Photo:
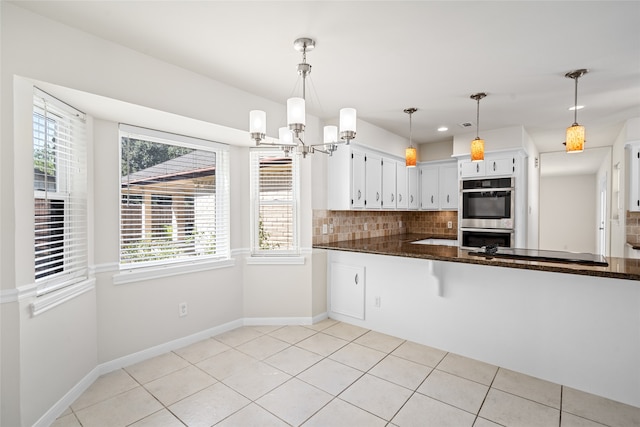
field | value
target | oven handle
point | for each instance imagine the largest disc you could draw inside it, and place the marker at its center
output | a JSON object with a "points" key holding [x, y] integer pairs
{"points": [[490, 230], [485, 190]]}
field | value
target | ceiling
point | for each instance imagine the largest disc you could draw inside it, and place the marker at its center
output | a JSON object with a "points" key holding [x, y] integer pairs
{"points": [[384, 56]]}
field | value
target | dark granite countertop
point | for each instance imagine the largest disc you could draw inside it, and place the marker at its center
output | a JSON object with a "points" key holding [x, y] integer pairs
{"points": [[400, 245]]}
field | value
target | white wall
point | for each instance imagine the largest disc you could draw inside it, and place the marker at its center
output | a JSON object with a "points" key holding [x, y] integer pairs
{"points": [[567, 213], [442, 150], [512, 138], [112, 322]]}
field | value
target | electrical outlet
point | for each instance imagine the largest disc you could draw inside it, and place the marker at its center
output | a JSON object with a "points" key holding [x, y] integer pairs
{"points": [[377, 301], [400, 225], [182, 309], [449, 224], [365, 226], [324, 228], [330, 228]]}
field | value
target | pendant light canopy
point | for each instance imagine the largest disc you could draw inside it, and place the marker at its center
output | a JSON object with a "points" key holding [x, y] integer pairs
{"points": [[575, 133], [411, 154], [477, 145]]}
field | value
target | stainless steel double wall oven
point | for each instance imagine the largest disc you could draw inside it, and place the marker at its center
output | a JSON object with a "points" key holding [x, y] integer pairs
{"points": [[487, 208]]}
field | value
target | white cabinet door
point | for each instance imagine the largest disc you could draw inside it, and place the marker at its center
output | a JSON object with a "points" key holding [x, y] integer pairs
{"points": [[471, 169], [402, 187], [358, 180], [634, 177], [504, 166], [429, 188], [347, 290], [449, 189], [389, 184], [412, 188], [373, 183]]}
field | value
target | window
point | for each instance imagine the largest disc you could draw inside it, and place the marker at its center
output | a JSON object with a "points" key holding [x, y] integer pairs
{"points": [[60, 194], [174, 198], [274, 194]]}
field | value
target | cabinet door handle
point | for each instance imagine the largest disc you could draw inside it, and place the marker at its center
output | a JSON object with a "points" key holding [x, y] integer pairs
{"points": [[411, 199], [359, 194], [447, 198], [392, 197], [478, 167], [494, 166], [377, 196], [432, 199], [356, 279], [399, 197]]}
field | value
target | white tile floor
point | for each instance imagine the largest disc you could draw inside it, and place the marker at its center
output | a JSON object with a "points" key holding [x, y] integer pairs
{"points": [[330, 374]]}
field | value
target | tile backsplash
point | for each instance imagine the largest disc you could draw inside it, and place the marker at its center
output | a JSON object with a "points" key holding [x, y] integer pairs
{"points": [[352, 225], [633, 228]]}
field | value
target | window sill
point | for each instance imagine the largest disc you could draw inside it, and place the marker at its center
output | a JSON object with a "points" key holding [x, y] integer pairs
{"points": [[275, 260], [140, 274], [53, 299]]}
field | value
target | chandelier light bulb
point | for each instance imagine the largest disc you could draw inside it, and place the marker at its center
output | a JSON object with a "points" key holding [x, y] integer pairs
{"points": [[330, 134], [285, 136], [348, 120], [295, 111], [257, 121]]}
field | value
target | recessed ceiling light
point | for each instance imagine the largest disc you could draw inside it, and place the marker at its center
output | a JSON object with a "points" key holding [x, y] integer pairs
{"points": [[443, 129], [577, 107]]}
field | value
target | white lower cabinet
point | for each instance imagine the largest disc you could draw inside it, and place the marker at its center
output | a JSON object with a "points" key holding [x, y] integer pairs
{"points": [[347, 283]]}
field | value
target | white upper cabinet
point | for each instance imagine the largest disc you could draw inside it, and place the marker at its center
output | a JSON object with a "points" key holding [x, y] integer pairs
{"points": [[469, 169], [449, 187], [500, 166], [429, 188], [412, 188], [494, 164], [390, 193], [373, 181], [633, 184], [358, 180], [402, 185], [363, 178], [439, 186]]}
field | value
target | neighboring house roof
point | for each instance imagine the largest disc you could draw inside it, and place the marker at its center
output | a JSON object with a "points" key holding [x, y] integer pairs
{"points": [[196, 164]]}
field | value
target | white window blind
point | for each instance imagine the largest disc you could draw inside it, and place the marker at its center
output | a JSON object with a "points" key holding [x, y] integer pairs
{"points": [[60, 193], [174, 198], [274, 197]]}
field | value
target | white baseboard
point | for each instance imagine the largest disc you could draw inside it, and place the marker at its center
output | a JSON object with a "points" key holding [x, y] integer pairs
{"points": [[104, 368]]}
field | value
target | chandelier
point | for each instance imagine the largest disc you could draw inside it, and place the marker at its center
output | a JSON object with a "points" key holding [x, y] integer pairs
{"points": [[291, 137]]}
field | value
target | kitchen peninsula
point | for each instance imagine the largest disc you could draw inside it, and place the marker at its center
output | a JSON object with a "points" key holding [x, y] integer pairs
{"points": [[577, 325]]}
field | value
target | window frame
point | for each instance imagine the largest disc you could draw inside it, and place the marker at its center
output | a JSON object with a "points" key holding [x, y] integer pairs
{"points": [[192, 262], [71, 180], [256, 250]]}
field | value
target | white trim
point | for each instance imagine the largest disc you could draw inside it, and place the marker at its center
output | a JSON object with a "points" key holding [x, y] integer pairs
{"points": [[275, 260], [49, 417], [61, 405], [8, 296], [106, 267], [157, 272], [162, 137], [18, 294], [240, 252], [157, 350], [54, 299]]}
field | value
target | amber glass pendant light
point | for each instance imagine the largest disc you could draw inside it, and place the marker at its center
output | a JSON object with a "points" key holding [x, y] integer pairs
{"points": [[410, 154], [575, 133], [477, 145]]}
